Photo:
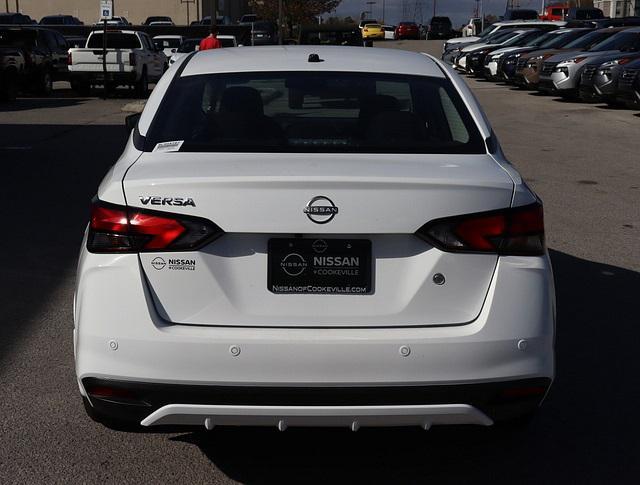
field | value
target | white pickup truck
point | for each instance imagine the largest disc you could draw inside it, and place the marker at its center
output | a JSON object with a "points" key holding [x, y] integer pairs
{"points": [[132, 60]]}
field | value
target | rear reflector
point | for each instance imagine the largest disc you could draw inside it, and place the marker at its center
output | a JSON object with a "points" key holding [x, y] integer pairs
{"points": [[119, 229], [513, 231]]}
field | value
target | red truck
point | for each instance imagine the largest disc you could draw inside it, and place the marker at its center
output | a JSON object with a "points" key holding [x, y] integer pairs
{"points": [[555, 12]]}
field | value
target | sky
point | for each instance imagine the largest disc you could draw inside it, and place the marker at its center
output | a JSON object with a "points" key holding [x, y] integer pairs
{"points": [[459, 11]]}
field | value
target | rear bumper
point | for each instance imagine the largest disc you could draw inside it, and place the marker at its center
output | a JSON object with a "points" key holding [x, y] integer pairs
{"points": [[179, 405], [511, 340]]}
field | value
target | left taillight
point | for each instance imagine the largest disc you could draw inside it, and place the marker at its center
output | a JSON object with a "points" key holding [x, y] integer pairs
{"points": [[517, 231], [119, 229], [69, 59]]}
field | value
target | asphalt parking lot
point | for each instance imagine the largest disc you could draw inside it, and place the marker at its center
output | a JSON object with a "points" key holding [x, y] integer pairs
{"points": [[584, 162]]}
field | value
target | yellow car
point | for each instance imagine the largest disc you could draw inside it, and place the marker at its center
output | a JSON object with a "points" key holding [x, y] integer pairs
{"points": [[372, 31]]}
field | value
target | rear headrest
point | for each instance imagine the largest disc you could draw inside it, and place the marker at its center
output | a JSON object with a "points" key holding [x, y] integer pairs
{"points": [[241, 99], [377, 103]]}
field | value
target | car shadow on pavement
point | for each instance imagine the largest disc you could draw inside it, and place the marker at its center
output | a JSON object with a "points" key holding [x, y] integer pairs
{"points": [[24, 104], [46, 189], [586, 432]]}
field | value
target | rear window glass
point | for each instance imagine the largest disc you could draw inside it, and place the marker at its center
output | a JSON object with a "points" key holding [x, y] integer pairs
{"points": [[166, 43], [589, 39], [189, 45], [315, 112], [115, 41], [17, 38], [623, 41]]}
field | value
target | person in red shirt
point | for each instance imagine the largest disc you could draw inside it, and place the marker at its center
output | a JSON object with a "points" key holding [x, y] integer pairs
{"points": [[211, 41]]}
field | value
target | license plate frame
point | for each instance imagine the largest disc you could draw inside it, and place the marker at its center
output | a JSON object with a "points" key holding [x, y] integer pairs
{"points": [[319, 266]]}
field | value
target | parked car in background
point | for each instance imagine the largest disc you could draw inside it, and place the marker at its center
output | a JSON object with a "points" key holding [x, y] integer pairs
{"points": [[584, 13], [76, 41], [532, 39], [439, 28], [169, 44], [158, 18], [364, 22], [264, 33], [530, 65], [132, 60], [187, 47], [599, 78], [114, 22], [510, 62], [629, 85], [452, 47], [520, 14], [472, 28], [561, 73], [45, 56], [15, 19], [220, 20], [476, 65], [372, 32], [192, 45], [60, 20], [492, 41], [555, 12], [389, 32], [249, 18], [405, 30], [330, 34]]}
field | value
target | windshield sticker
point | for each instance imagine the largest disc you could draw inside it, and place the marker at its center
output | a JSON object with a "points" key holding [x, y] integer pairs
{"points": [[168, 146]]}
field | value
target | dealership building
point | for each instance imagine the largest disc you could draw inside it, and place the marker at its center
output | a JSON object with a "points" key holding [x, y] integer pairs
{"points": [[618, 8], [182, 12]]}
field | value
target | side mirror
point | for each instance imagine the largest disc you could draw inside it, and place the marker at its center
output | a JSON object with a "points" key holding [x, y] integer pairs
{"points": [[131, 121]]}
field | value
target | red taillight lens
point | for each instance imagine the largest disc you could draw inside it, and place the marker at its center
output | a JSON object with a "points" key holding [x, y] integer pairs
{"points": [[625, 60], [116, 229], [514, 231], [69, 59]]}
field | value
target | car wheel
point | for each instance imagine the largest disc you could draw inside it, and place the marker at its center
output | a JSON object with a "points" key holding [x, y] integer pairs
{"points": [[142, 86], [46, 84]]}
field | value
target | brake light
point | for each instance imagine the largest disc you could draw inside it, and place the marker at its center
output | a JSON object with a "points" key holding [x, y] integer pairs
{"points": [[118, 229], [132, 59], [69, 59], [625, 60], [514, 231]]}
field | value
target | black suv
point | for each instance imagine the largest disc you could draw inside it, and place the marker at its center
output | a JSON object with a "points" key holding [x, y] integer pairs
{"points": [[60, 20], [45, 54], [440, 28], [15, 19]]}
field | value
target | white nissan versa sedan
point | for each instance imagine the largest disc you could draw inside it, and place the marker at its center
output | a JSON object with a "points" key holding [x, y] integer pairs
{"points": [[313, 236]]}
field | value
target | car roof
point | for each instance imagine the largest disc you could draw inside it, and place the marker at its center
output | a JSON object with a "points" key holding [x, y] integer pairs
{"points": [[168, 37], [296, 58]]}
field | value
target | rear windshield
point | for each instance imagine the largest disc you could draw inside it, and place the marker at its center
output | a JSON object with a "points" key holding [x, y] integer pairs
{"points": [[622, 41], [166, 43], [115, 40], [52, 21], [559, 39], [17, 38], [189, 45], [315, 112]]}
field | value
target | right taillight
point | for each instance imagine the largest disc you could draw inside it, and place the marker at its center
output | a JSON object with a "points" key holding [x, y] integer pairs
{"points": [[119, 229], [517, 231], [132, 59]]}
